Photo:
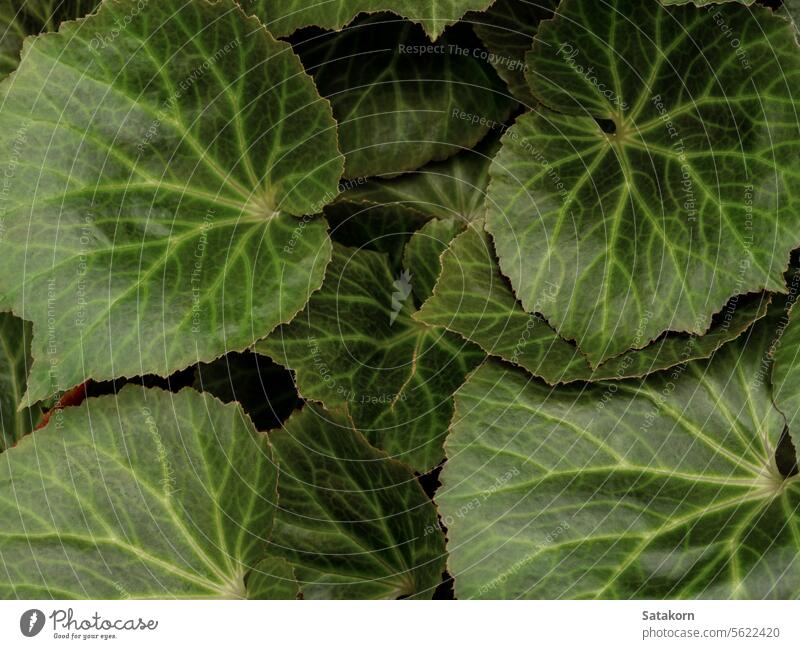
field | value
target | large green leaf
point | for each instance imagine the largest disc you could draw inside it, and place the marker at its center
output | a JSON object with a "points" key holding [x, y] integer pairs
{"points": [[352, 522], [472, 298], [507, 29], [15, 359], [148, 216], [356, 348], [283, 17], [689, 201], [143, 494], [669, 490], [20, 18], [453, 188], [398, 107]]}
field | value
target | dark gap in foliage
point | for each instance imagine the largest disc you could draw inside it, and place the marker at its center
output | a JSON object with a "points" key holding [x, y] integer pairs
{"points": [[771, 4], [265, 390], [519, 109], [607, 125], [445, 589], [90, 388], [382, 228], [736, 302], [174, 383], [785, 455], [463, 35], [430, 483], [305, 35]]}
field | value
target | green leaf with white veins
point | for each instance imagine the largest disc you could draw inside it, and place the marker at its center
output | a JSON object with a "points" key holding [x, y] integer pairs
{"points": [[283, 17], [394, 95], [143, 494], [353, 523], [661, 488], [356, 348], [689, 201], [473, 299], [149, 219], [15, 359]]}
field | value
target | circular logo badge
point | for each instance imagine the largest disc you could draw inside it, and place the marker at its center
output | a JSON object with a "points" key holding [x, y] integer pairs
{"points": [[31, 622]]}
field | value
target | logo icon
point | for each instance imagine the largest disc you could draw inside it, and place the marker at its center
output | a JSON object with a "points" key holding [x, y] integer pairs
{"points": [[402, 289], [31, 622]]}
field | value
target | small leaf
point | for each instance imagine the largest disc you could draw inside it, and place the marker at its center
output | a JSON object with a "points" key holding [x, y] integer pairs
{"points": [[353, 523], [661, 488], [149, 217], [356, 348], [143, 494]]}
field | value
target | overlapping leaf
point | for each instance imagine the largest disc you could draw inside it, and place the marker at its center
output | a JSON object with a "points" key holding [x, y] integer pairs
{"points": [[423, 252], [681, 196], [473, 298], [151, 187], [145, 494], [669, 489], [356, 348], [286, 16], [352, 522], [15, 359], [507, 29], [399, 106], [20, 18]]}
